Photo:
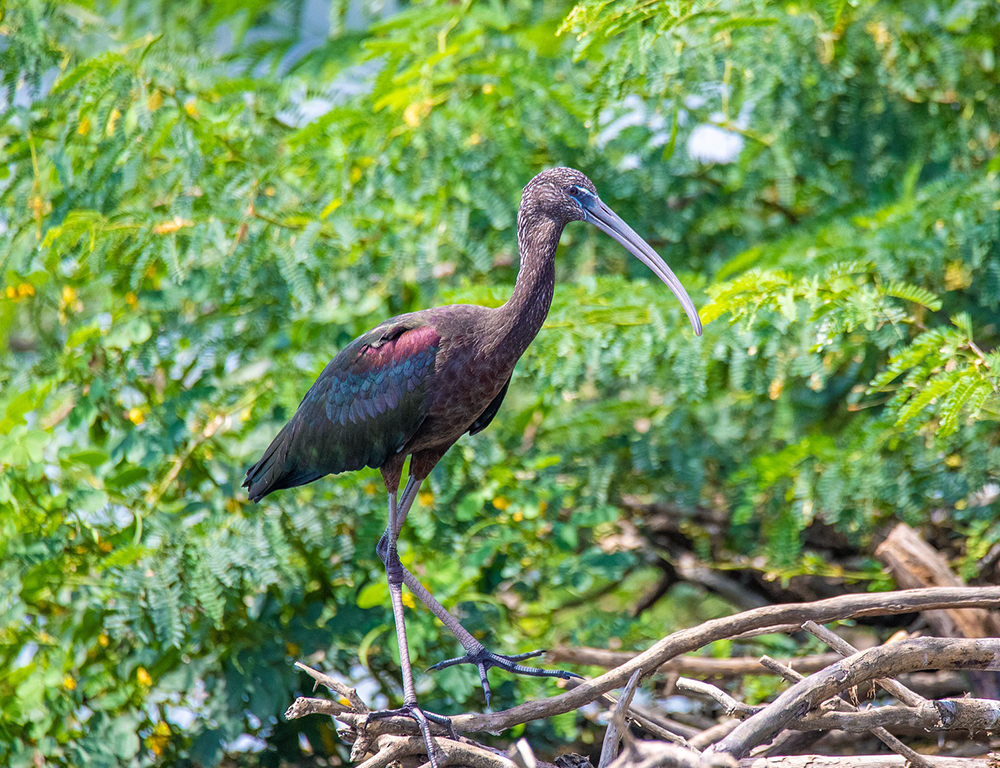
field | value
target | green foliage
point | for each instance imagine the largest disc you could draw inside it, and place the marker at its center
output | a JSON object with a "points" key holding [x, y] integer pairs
{"points": [[184, 245], [945, 372]]}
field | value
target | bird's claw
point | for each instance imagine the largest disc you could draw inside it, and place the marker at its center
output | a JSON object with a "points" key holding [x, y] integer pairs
{"points": [[412, 711], [484, 659]]}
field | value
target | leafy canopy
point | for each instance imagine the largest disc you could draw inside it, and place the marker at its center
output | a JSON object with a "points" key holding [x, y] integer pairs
{"points": [[198, 212]]}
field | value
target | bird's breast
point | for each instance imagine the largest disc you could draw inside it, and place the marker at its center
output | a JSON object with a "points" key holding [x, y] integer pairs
{"points": [[465, 383]]}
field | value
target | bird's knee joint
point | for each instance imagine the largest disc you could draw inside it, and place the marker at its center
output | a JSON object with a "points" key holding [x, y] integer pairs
{"points": [[382, 548], [394, 572]]}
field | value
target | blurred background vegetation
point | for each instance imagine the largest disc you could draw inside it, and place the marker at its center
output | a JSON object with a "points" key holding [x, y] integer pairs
{"points": [[201, 202]]}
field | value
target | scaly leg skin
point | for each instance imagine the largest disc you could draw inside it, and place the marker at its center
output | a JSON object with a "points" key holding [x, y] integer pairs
{"points": [[475, 652], [394, 574]]}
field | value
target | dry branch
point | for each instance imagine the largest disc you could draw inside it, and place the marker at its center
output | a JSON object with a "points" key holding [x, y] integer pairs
{"points": [[841, 646], [915, 760], [391, 748], [974, 715], [793, 710], [732, 707], [687, 665], [655, 754], [884, 661], [648, 719], [863, 761], [755, 620], [354, 701], [915, 563], [617, 727]]}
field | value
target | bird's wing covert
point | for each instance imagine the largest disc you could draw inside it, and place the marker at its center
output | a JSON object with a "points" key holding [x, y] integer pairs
{"points": [[484, 419], [364, 407]]}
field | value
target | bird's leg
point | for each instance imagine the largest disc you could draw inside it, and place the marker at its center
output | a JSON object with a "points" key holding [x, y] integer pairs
{"points": [[394, 574], [475, 652]]}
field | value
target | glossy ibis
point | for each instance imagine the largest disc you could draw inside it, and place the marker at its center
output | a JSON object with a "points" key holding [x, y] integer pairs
{"points": [[415, 384]]}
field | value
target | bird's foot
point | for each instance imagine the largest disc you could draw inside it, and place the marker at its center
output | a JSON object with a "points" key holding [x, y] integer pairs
{"points": [[484, 659], [423, 719]]}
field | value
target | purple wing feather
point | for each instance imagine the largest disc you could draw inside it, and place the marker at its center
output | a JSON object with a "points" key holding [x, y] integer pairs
{"points": [[364, 408]]}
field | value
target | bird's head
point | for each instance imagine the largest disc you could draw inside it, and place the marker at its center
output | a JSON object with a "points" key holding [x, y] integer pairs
{"points": [[566, 194]]}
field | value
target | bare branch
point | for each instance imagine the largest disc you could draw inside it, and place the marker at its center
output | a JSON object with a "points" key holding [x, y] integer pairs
{"points": [[616, 725], [861, 761], [303, 706], [915, 759], [687, 665], [392, 748], [733, 707], [775, 667], [353, 700], [656, 754], [844, 648], [758, 619], [648, 719], [976, 715], [711, 735], [904, 656]]}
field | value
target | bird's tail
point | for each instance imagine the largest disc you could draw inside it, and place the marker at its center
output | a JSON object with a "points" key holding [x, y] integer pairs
{"points": [[276, 470], [264, 476]]}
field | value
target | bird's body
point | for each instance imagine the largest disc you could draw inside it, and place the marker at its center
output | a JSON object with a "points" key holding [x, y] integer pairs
{"points": [[412, 386]]}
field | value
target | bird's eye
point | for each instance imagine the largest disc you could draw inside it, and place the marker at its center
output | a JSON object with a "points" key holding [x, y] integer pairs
{"points": [[580, 195]]}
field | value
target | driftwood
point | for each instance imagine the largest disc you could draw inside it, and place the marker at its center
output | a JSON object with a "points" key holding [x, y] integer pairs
{"points": [[812, 704]]}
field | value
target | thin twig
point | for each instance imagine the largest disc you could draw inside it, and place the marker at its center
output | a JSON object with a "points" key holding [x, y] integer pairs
{"points": [[844, 648], [354, 701], [649, 720], [733, 707], [711, 735], [775, 667], [617, 726]]}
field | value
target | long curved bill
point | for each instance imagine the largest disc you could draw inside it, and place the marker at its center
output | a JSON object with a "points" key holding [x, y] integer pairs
{"points": [[610, 223]]}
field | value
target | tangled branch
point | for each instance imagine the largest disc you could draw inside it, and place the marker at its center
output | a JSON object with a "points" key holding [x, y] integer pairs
{"points": [[811, 704]]}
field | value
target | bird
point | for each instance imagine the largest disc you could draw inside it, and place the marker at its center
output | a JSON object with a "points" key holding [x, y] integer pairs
{"points": [[413, 385]]}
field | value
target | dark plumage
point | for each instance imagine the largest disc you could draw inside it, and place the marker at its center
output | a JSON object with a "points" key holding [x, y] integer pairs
{"points": [[415, 384]]}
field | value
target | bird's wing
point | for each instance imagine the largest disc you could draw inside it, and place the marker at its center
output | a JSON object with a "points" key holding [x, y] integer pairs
{"points": [[365, 406], [484, 419]]}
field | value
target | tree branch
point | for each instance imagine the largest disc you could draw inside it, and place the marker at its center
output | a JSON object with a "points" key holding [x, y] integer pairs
{"points": [[687, 665], [975, 715], [884, 661], [755, 620]]}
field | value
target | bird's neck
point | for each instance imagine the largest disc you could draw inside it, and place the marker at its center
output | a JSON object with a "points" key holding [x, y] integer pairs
{"points": [[517, 322]]}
